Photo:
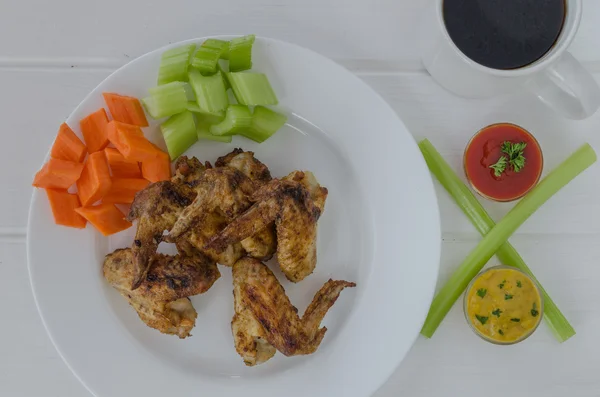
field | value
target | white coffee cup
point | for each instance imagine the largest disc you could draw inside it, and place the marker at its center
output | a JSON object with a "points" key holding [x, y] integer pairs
{"points": [[557, 78]]}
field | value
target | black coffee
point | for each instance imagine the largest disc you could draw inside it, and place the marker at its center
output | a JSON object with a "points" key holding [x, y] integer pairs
{"points": [[504, 34]]}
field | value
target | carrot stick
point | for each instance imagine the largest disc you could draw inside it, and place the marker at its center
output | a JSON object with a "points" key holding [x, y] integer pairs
{"points": [[63, 206], [123, 190], [93, 128], [105, 217], [58, 174], [125, 109], [130, 141], [158, 168], [67, 146], [95, 179], [120, 167]]}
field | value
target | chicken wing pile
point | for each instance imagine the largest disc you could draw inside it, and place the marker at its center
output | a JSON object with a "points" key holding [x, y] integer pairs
{"points": [[234, 214]]}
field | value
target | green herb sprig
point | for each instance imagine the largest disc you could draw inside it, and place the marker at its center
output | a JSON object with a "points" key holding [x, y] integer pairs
{"points": [[514, 157]]}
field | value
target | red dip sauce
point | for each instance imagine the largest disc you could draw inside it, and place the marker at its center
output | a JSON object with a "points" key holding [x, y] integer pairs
{"points": [[485, 149]]}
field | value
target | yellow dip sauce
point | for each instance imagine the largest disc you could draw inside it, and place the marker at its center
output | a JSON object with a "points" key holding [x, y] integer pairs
{"points": [[503, 305]]}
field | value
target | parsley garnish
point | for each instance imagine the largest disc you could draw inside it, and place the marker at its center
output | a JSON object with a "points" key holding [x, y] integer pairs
{"points": [[534, 311], [481, 319], [515, 320], [507, 297], [481, 292], [497, 313], [514, 157], [501, 332], [499, 167], [501, 285], [519, 285]]}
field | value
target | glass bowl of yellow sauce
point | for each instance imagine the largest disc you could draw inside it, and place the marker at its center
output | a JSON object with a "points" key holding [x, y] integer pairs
{"points": [[503, 305]]}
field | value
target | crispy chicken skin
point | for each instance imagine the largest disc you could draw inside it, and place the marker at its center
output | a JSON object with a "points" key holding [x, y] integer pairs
{"points": [[295, 203], [248, 335], [161, 300], [247, 164], [263, 244], [222, 194], [263, 311], [156, 209], [188, 171]]}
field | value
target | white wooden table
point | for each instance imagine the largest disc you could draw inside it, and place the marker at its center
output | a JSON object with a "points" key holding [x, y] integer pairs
{"points": [[52, 53]]}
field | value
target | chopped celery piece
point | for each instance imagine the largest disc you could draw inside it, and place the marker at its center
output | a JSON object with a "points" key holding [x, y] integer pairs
{"points": [[507, 254], [210, 137], [499, 234], [224, 74], [179, 133], [237, 119], [240, 53], [252, 89], [221, 45], [166, 100], [265, 123], [210, 118], [204, 134], [192, 106], [206, 59], [210, 91], [174, 64]]}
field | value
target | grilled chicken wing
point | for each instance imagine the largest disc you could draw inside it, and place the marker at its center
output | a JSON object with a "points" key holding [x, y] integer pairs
{"points": [[222, 194], [161, 300], [156, 208], [188, 171], [295, 203], [263, 244], [264, 312], [248, 335]]}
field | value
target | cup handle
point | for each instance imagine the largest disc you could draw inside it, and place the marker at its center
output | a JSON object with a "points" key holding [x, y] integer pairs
{"points": [[567, 88]]}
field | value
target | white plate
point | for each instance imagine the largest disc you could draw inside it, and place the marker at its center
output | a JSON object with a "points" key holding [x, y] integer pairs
{"points": [[380, 229]]}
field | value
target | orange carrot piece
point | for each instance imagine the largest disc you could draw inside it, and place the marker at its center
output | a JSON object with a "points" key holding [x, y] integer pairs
{"points": [[105, 217], [63, 206], [158, 168], [120, 166], [67, 146], [125, 109], [123, 190], [95, 179], [130, 141], [58, 174], [93, 128]]}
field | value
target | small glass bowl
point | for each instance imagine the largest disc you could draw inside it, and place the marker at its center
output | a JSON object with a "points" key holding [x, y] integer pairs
{"points": [[487, 338], [482, 194]]}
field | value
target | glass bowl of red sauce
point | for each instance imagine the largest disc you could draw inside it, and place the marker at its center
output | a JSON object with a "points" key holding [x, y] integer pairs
{"points": [[505, 179]]}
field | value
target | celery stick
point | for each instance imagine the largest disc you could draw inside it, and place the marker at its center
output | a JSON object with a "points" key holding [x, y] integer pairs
{"points": [[221, 45], [210, 91], [499, 234], [252, 89], [203, 123], [507, 254], [265, 123], [174, 64], [210, 118], [210, 137], [238, 119], [166, 100], [206, 59], [179, 133], [203, 134], [192, 106], [240, 53], [224, 74]]}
